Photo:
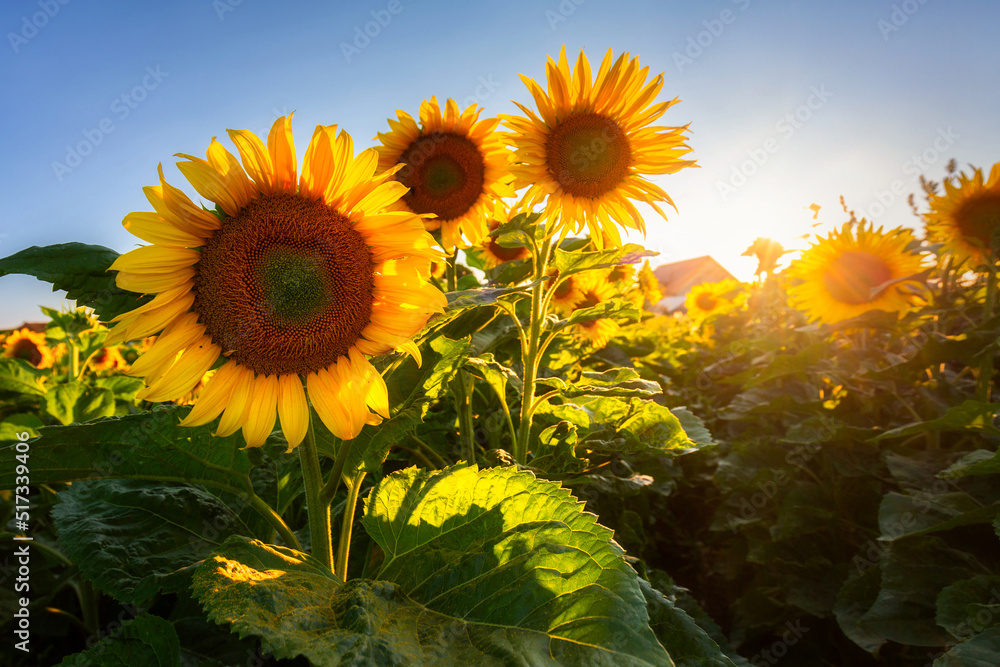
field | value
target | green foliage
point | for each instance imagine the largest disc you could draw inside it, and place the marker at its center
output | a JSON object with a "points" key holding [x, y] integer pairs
{"points": [[146, 640], [81, 270]]}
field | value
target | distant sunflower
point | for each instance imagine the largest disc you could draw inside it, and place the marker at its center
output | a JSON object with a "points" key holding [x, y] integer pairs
{"points": [[565, 294], [30, 346], [590, 145], [709, 299], [298, 276], [967, 215], [108, 359], [839, 272], [456, 168], [621, 275], [495, 254], [594, 290], [649, 284]]}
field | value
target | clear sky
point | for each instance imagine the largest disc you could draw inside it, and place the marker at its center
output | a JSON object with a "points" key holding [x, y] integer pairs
{"points": [[789, 102]]}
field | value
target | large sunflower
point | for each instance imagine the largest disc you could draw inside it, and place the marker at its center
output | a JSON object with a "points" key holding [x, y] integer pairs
{"points": [[298, 276], [967, 215], [455, 167], [30, 346], [839, 272], [590, 145]]}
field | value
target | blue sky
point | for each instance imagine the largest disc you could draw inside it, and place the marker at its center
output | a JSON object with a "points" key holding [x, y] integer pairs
{"points": [[789, 102]]}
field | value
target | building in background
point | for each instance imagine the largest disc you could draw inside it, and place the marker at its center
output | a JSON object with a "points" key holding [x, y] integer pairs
{"points": [[677, 279]]}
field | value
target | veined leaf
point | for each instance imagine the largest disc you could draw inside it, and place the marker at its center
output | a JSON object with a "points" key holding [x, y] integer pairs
{"points": [[567, 262], [81, 270], [75, 402], [20, 376], [150, 445], [132, 538], [514, 557], [147, 640]]}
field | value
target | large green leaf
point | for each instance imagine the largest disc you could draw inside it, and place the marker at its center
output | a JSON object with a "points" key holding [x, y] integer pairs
{"points": [[81, 270], [77, 402], [969, 607], [689, 644], [488, 567], [920, 513], [515, 557], [132, 538], [147, 640], [983, 650], [971, 416], [19, 376], [150, 445]]}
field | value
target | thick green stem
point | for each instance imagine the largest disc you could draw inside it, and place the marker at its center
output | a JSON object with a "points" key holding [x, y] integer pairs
{"points": [[273, 518], [462, 389], [347, 527], [74, 361], [317, 507], [985, 380], [332, 484], [530, 353]]}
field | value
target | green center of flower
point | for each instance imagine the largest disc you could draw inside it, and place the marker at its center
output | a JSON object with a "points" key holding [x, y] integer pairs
{"points": [[851, 277], [979, 217], [445, 173], [291, 284], [588, 154], [285, 286]]}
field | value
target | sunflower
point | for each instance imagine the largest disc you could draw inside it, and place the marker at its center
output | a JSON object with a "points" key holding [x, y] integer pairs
{"points": [[107, 359], [649, 284], [565, 294], [622, 275], [594, 290], [589, 146], [839, 272], [30, 346], [967, 215], [709, 299], [455, 168], [495, 254], [297, 276]]}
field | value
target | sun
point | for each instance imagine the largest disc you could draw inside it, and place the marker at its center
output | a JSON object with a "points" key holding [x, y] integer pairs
{"points": [[587, 151], [838, 275], [455, 167], [966, 217], [294, 279]]}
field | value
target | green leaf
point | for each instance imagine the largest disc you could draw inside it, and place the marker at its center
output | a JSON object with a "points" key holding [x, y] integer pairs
{"points": [[20, 376], [410, 384], [132, 538], [81, 270], [914, 572], [855, 598], [983, 650], [969, 607], [122, 386], [494, 373], [922, 513], [15, 424], [483, 296], [75, 402], [687, 643], [970, 416], [147, 640], [694, 427], [621, 382], [977, 462], [371, 447], [567, 262], [514, 558], [635, 425], [150, 445], [616, 308]]}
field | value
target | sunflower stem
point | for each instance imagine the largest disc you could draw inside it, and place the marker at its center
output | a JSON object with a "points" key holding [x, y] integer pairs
{"points": [[333, 483], [317, 507], [273, 518], [985, 380], [530, 354], [462, 389], [347, 527]]}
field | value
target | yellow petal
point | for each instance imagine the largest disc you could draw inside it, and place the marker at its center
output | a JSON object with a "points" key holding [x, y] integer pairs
{"points": [[182, 377], [260, 419], [214, 397], [235, 414], [293, 411]]}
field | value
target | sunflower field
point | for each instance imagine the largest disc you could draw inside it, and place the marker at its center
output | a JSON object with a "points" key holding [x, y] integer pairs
{"points": [[417, 405]]}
